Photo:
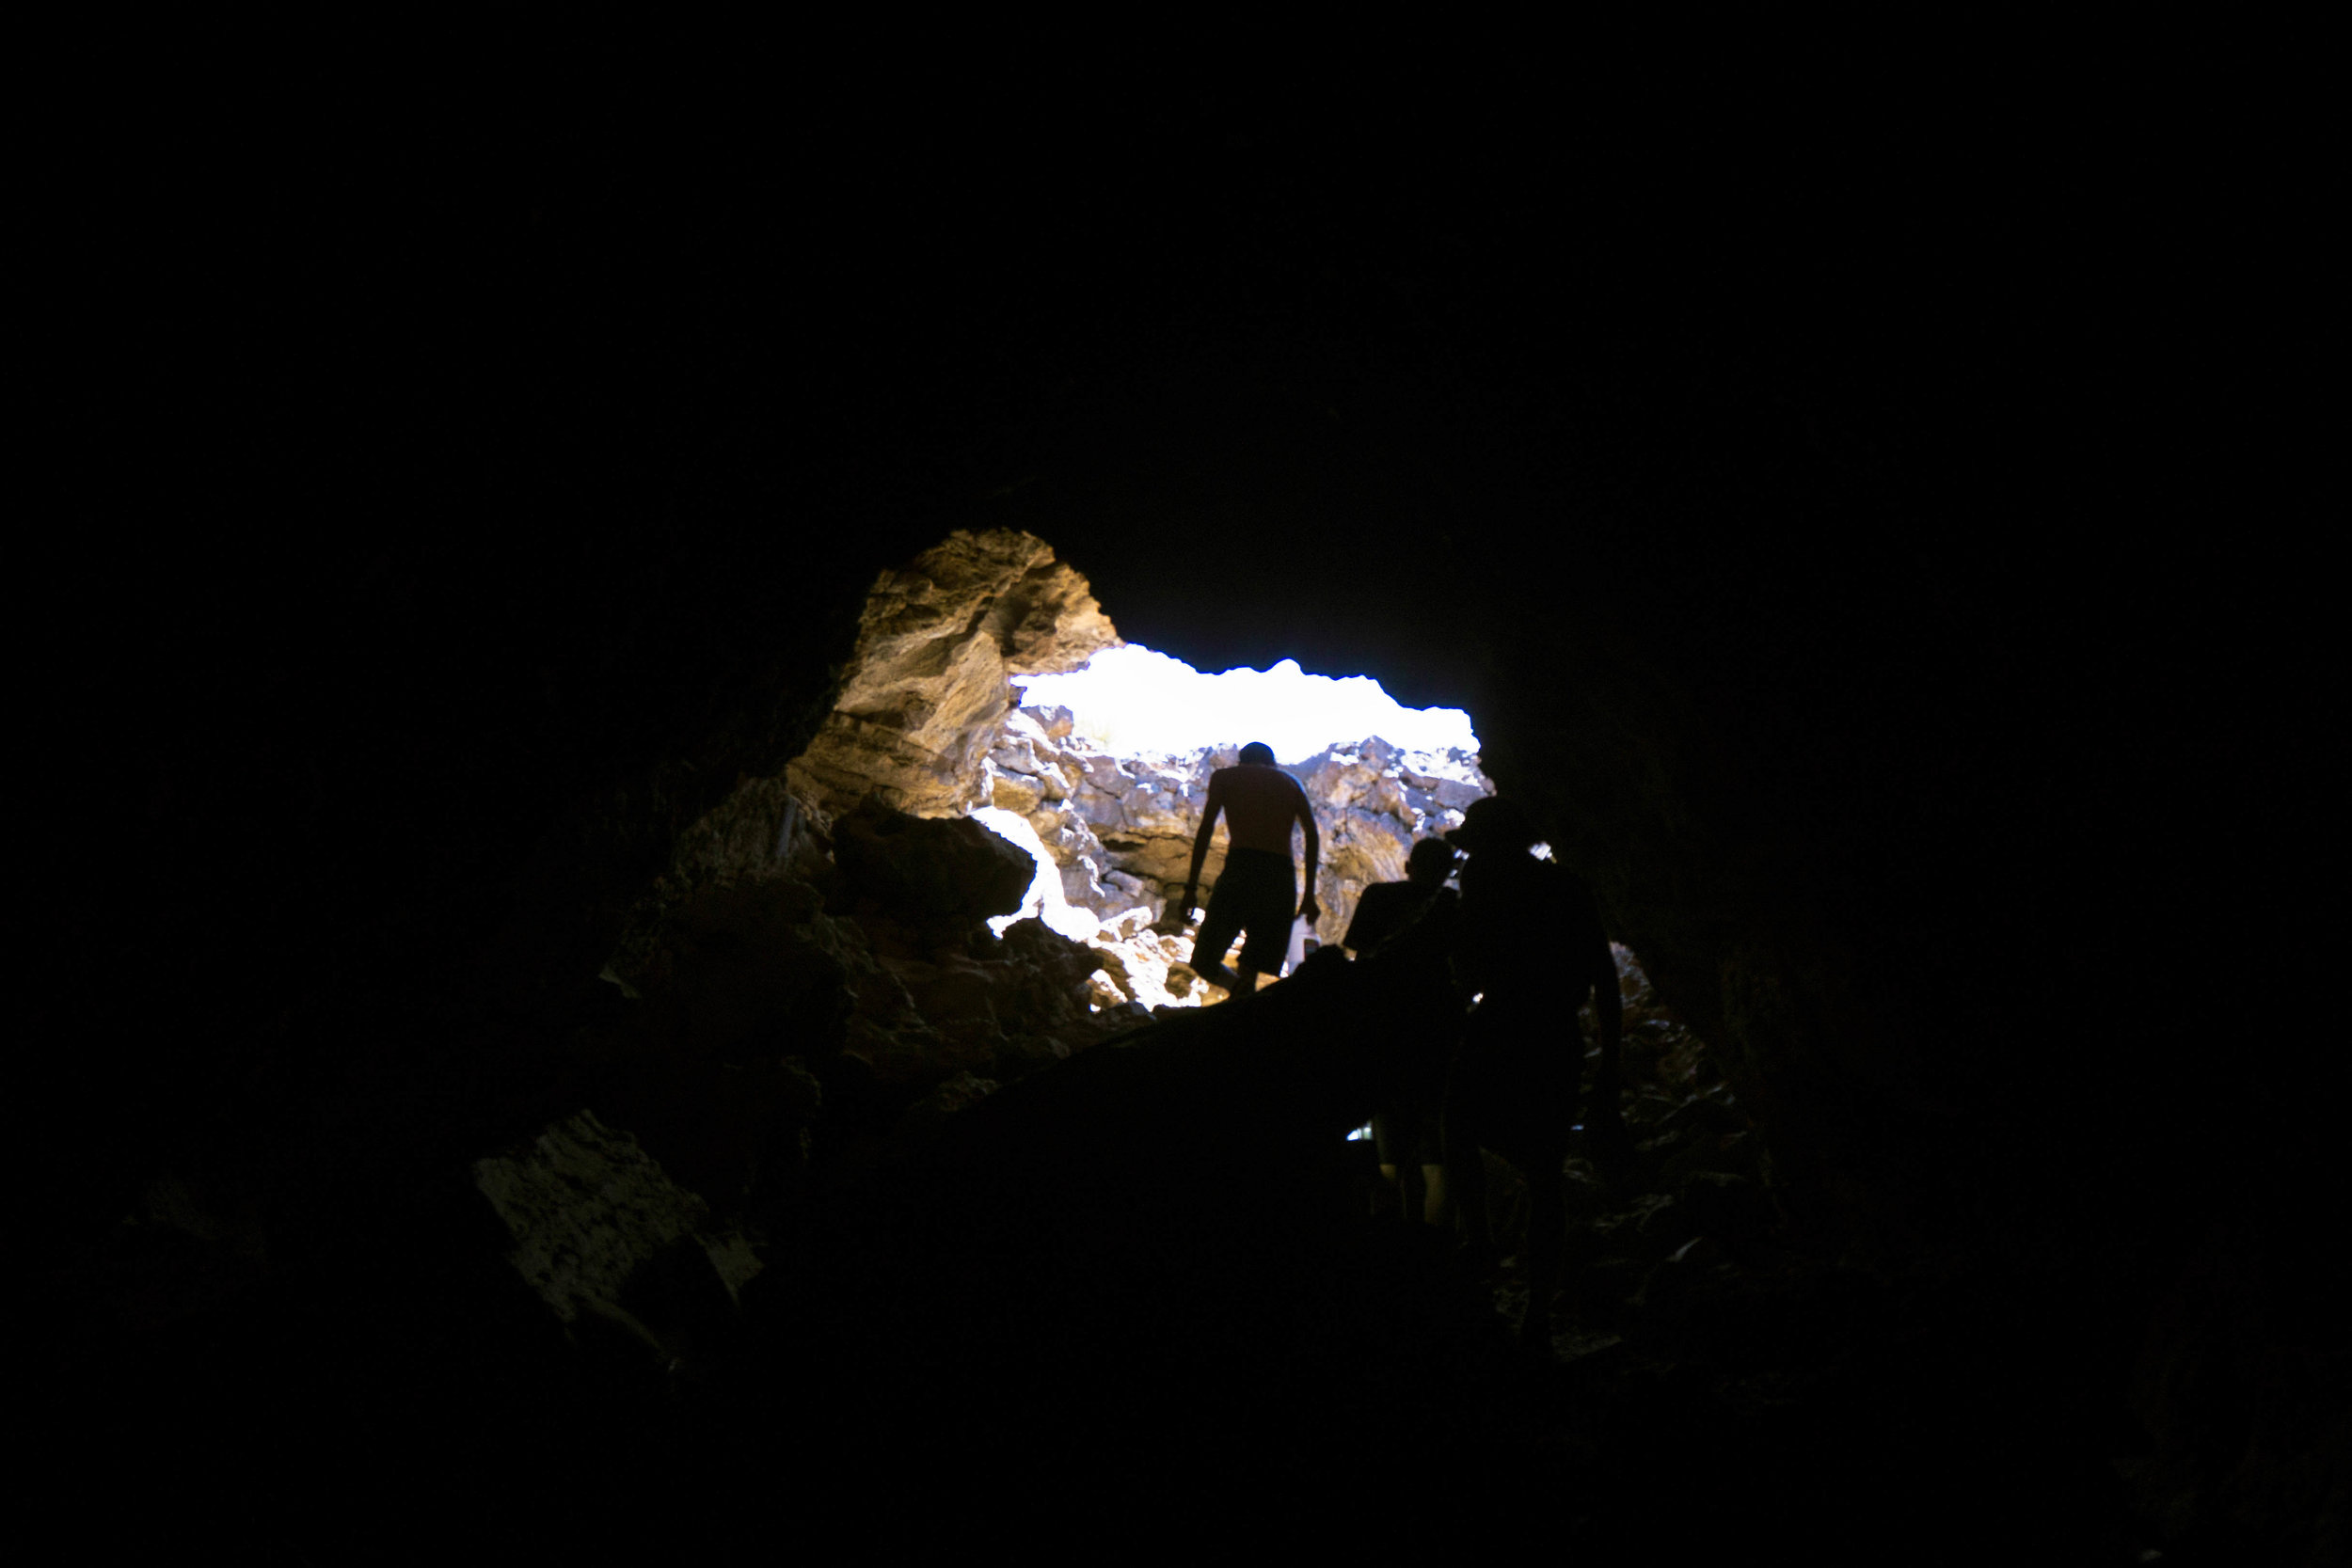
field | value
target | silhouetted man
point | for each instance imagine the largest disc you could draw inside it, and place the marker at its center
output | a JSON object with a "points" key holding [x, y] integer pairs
{"points": [[1529, 945], [1384, 908], [1255, 894], [1414, 918]]}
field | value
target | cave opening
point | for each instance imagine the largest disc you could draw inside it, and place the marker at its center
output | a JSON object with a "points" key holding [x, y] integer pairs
{"points": [[1102, 774]]}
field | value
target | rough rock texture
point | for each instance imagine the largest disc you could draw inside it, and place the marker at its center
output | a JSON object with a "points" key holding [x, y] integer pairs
{"points": [[936, 880], [771, 1020], [800, 977], [600, 1231], [936, 642]]}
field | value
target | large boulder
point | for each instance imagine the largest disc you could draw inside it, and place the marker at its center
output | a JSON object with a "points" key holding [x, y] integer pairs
{"points": [[937, 880], [930, 680]]}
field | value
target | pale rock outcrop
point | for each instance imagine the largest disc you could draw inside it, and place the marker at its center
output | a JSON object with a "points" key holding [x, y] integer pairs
{"points": [[601, 1232], [929, 679]]}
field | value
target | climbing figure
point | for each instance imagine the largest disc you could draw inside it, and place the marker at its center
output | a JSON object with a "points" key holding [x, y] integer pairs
{"points": [[1413, 922], [1529, 945], [1256, 895]]}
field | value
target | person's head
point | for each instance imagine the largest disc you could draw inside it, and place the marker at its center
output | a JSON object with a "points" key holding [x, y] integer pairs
{"points": [[1492, 824], [1258, 751], [1428, 863]]}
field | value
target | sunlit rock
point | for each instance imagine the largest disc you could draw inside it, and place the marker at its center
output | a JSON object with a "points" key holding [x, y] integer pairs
{"points": [[929, 679], [1016, 794]]}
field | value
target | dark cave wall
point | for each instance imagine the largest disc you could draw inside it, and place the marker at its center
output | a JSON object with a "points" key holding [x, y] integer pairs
{"points": [[1777, 602], [1869, 573]]}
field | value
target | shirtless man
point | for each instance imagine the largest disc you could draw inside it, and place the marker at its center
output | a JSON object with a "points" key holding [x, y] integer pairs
{"points": [[1255, 892]]}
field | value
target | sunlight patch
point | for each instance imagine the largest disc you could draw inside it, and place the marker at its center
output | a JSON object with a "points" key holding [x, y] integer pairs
{"points": [[1045, 899], [1131, 700]]}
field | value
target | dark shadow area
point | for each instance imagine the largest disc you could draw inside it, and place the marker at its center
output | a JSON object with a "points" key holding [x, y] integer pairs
{"points": [[1868, 541]]}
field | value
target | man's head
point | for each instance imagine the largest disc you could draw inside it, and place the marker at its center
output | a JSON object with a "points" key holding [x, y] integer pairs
{"points": [[1259, 752], [1494, 825], [1428, 863]]}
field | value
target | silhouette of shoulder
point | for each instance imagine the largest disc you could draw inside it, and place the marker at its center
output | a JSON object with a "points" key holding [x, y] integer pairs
{"points": [[1520, 910], [1385, 909]]}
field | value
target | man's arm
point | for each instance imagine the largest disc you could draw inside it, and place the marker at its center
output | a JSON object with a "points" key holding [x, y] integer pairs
{"points": [[1201, 847], [1309, 910]]}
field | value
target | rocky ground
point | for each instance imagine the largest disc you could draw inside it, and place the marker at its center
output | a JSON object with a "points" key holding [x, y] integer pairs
{"points": [[1080, 1286]]}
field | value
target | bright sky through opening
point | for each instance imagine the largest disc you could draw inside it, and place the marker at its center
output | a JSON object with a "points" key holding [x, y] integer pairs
{"points": [[1131, 700]]}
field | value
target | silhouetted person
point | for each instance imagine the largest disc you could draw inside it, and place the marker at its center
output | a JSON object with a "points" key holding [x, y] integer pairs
{"points": [[1415, 919], [1529, 945], [1385, 909], [1256, 895]]}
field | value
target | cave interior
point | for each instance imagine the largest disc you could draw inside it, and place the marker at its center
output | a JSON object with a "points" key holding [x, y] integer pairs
{"points": [[1868, 554]]}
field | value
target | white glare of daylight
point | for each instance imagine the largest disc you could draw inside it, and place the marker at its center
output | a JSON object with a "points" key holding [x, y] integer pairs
{"points": [[1130, 700], [1046, 899]]}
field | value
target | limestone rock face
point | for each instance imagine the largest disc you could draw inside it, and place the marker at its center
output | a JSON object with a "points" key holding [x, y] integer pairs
{"points": [[928, 681]]}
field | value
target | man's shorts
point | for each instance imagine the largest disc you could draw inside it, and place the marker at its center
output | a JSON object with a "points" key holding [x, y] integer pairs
{"points": [[1258, 894]]}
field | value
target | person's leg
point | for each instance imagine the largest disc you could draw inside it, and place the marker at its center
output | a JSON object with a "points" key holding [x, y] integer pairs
{"points": [[1547, 1234], [1427, 1151], [1266, 926], [1434, 1211], [1411, 1193], [1462, 1117], [1218, 931], [1465, 1168], [1385, 1140], [1412, 1149], [1532, 1134]]}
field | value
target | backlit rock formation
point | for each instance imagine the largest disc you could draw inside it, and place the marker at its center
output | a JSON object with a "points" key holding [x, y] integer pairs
{"points": [[809, 933]]}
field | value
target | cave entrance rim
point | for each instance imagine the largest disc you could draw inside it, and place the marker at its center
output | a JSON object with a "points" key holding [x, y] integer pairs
{"points": [[1134, 700]]}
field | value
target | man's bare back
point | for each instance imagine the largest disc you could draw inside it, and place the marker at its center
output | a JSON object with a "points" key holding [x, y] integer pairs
{"points": [[1262, 806]]}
